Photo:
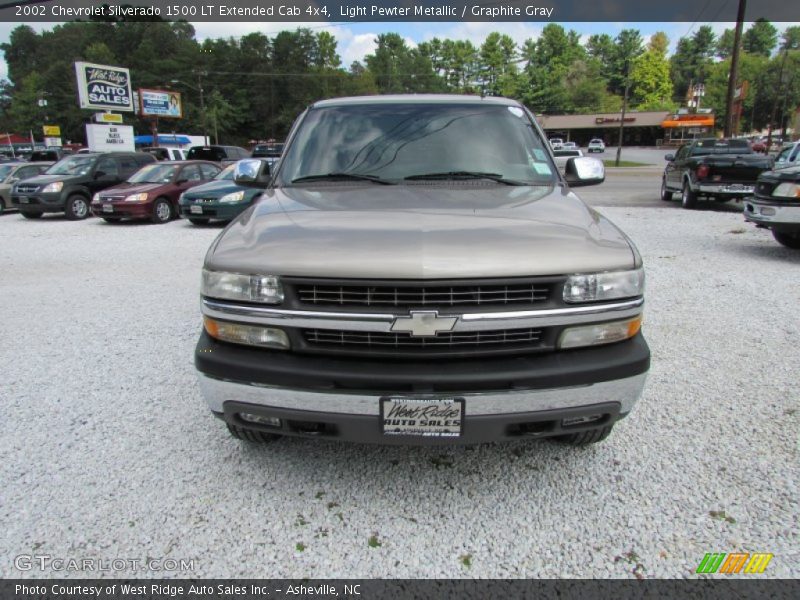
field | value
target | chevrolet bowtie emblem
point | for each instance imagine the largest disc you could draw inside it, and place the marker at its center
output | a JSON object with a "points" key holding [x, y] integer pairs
{"points": [[423, 323]]}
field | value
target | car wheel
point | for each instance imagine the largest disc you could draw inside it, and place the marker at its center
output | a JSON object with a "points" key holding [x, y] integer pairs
{"points": [[688, 197], [112, 219], [196, 221], [30, 215], [251, 435], [790, 240], [585, 438], [666, 195], [77, 208], [162, 211]]}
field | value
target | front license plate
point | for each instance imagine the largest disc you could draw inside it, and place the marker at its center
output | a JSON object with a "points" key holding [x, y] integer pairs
{"points": [[108, 208], [422, 417], [22, 199], [737, 187], [196, 210]]}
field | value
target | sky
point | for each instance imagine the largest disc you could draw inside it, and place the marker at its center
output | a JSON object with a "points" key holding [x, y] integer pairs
{"points": [[356, 40]]}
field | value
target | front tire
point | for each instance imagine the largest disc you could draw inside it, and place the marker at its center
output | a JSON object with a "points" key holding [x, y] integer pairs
{"points": [[30, 215], [688, 197], [790, 240], [251, 435], [586, 438], [666, 195], [162, 211], [77, 208]]}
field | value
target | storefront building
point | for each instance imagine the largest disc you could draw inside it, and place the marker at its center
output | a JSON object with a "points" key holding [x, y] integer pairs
{"points": [[651, 128]]}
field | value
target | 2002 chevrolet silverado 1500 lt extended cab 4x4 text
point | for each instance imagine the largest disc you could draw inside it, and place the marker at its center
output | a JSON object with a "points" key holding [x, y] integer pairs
{"points": [[418, 271]]}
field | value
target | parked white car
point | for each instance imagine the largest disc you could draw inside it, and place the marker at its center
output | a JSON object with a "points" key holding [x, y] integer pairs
{"points": [[556, 143], [596, 145], [563, 155]]}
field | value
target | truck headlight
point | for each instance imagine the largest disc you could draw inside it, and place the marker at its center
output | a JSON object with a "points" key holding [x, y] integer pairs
{"points": [[137, 197], [604, 286], [56, 186], [787, 190], [266, 289], [233, 197], [249, 335], [596, 335]]}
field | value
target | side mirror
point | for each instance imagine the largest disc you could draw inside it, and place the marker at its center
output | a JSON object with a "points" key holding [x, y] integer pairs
{"points": [[181, 181], [99, 174], [251, 173], [584, 170], [669, 157], [12, 180]]}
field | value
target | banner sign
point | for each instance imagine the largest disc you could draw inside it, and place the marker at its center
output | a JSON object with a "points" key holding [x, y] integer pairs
{"points": [[104, 87], [160, 103], [110, 138], [51, 130], [108, 118]]}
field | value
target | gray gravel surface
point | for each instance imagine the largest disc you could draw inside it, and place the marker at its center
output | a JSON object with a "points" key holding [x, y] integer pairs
{"points": [[109, 451]]}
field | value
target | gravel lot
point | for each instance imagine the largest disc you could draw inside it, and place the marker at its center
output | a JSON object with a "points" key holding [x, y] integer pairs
{"points": [[109, 451]]}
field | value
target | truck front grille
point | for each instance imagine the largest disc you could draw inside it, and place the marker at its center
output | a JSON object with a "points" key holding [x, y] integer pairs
{"points": [[440, 295], [513, 340], [29, 188]]}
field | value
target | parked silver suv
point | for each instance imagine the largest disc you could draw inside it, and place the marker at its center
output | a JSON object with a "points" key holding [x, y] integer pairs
{"points": [[418, 271]]}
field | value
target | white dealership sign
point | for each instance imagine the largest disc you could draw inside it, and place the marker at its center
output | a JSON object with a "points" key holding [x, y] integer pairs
{"points": [[110, 138], [104, 87]]}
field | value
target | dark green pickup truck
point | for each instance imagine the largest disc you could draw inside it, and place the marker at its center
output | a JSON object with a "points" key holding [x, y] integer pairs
{"points": [[720, 170]]}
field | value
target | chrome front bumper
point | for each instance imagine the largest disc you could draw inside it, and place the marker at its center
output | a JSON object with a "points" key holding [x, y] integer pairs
{"points": [[624, 392], [758, 212]]}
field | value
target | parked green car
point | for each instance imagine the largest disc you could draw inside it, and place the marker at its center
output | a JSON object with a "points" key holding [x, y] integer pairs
{"points": [[220, 199]]}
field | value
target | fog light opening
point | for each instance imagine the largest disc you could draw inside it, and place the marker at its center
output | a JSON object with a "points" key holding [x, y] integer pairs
{"points": [[582, 420], [260, 420]]}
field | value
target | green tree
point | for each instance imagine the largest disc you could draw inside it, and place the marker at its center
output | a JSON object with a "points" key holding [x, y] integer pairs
{"points": [[761, 38], [652, 87]]}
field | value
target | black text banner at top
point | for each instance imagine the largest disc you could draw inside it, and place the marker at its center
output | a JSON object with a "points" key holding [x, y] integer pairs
{"points": [[345, 11]]}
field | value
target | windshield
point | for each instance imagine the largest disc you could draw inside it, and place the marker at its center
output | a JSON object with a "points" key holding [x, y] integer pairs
{"points": [[154, 174], [5, 170], [394, 142], [213, 154], [227, 172], [73, 165]]}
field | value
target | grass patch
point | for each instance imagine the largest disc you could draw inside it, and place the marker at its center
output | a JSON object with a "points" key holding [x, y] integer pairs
{"points": [[466, 560], [300, 546], [373, 542], [624, 163]]}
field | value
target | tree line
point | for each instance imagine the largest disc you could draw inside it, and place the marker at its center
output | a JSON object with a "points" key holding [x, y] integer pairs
{"points": [[256, 85]]}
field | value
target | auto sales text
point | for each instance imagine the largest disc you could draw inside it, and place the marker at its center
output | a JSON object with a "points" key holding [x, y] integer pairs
{"points": [[175, 591]]}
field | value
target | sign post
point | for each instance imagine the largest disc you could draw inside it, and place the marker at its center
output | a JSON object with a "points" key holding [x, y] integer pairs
{"points": [[159, 103]]}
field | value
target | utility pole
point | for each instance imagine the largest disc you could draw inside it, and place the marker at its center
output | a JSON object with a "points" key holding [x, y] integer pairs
{"points": [[622, 118], [734, 73], [777, 94], [203, 107]]}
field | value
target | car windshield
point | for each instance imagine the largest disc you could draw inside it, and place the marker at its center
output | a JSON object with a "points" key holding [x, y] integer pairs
{"points": [[206, 153], [227, 172], [5, 170], [395, 142], [154, 174], [73, 165]]}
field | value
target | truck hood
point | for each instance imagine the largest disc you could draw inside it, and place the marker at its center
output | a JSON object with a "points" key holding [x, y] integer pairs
{"points": [[45, 179], [420, 231]]}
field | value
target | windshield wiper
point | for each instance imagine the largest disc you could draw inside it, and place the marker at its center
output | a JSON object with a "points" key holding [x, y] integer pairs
{"points": [[465, 175], [343, 175]]}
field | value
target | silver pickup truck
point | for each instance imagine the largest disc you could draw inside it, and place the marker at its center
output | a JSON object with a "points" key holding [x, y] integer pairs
{"points": [[417, 271]]}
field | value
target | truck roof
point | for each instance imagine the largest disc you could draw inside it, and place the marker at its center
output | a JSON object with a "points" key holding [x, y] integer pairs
{"points": [[416, 99]]}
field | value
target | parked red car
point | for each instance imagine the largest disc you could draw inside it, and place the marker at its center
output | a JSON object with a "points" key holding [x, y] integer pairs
{"points": [[153, 191]]}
